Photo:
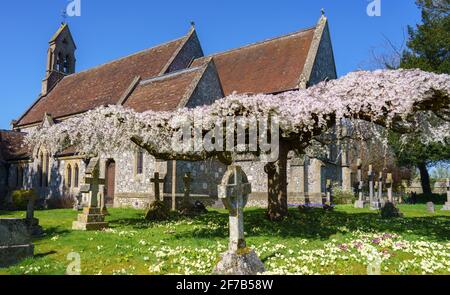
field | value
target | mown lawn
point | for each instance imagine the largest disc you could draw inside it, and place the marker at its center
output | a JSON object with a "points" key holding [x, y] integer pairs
{"points": [[346, 241]]}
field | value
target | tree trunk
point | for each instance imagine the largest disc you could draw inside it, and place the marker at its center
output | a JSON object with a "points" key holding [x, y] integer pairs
{"points": [[277, 186], [425, 178]]}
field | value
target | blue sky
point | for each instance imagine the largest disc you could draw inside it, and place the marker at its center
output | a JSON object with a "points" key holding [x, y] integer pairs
{"points": [[109, 29]]}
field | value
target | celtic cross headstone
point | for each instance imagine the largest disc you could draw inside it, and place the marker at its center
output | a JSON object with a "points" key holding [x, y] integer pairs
{"points": [[238, 260]]}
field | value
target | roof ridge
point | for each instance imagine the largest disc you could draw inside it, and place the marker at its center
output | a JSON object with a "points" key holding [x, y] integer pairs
{"points": [[169, 75], [124, 57], [258, 43], [11, 131]]}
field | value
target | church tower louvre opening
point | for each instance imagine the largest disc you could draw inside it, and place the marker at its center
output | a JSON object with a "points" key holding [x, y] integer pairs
{"points": [[60, 58]]}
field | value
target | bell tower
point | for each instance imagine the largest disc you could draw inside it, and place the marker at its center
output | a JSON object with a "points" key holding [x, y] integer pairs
{"points": [[60, 58]]}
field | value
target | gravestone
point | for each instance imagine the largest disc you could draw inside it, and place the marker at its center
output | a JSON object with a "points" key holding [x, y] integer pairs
{"points": [[447, 204], [32, 223], [78, 203], [329, 191], [380, 187], [359, 204], [92, 217], [389, 185], [156, 181], [239, 259], [374, 202], [187, 180], [15, 241], [371, 188], [430, 207]]}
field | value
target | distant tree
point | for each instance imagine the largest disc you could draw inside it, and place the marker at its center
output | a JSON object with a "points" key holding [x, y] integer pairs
{"points": [[429, 50], [441, 171]]}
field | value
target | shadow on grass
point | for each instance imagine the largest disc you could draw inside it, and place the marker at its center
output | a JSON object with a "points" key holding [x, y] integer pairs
{"points": [[50, 232], [42, 255], [318, 224]]}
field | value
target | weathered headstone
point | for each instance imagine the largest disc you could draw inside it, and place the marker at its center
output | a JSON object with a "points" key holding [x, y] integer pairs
{"points": [[329, 191], [374, 202], [360, 202], [389, 185], [187, 180], [380, 186], [15, 241], [447, 204], [156, 181], [239, 259], [430, 207], [92, 217], [32, 223], [78, 203], [371, 184]]}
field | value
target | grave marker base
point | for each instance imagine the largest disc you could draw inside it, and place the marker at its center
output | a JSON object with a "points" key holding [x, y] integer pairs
{"points": [[90, 219], [359, 204], [376, 205], [235, 263]]}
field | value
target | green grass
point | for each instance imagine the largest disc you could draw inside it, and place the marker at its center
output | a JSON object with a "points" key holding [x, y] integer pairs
{"points": [[345, 241]]}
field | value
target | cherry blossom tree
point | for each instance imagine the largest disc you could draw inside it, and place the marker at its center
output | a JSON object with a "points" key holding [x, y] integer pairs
{"points": [[407, 101]]}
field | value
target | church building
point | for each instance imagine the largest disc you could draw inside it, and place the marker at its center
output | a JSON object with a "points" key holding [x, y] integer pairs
{"points": [[167, 77]]}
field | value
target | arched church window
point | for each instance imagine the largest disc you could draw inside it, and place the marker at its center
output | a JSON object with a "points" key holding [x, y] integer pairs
{"points": [[66, 64], [40, 168], [19, 182], [139, 162], [76, 176], [69, 176], [47, 170], [59, 62]]}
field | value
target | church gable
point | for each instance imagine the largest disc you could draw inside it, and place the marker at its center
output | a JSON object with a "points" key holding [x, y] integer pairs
{"points": [[175, 90], [187, 53], [267, 67], [320, 64]]}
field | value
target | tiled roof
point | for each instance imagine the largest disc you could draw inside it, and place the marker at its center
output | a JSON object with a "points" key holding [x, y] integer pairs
{"points": [[271, 66], [102, 85], [164, 93], [12, 147]]}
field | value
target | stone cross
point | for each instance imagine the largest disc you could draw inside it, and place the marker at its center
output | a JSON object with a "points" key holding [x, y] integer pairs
{"points": [[371, 184], [233, 191], [389, 185], [187, 179], [93, 183], [30, 208], [329, 188], [360, 202], [380, 187], [96, 190], [447, 204], [93, 187], [448, 189], [360, 180], [156, 180], [430, 207]]}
